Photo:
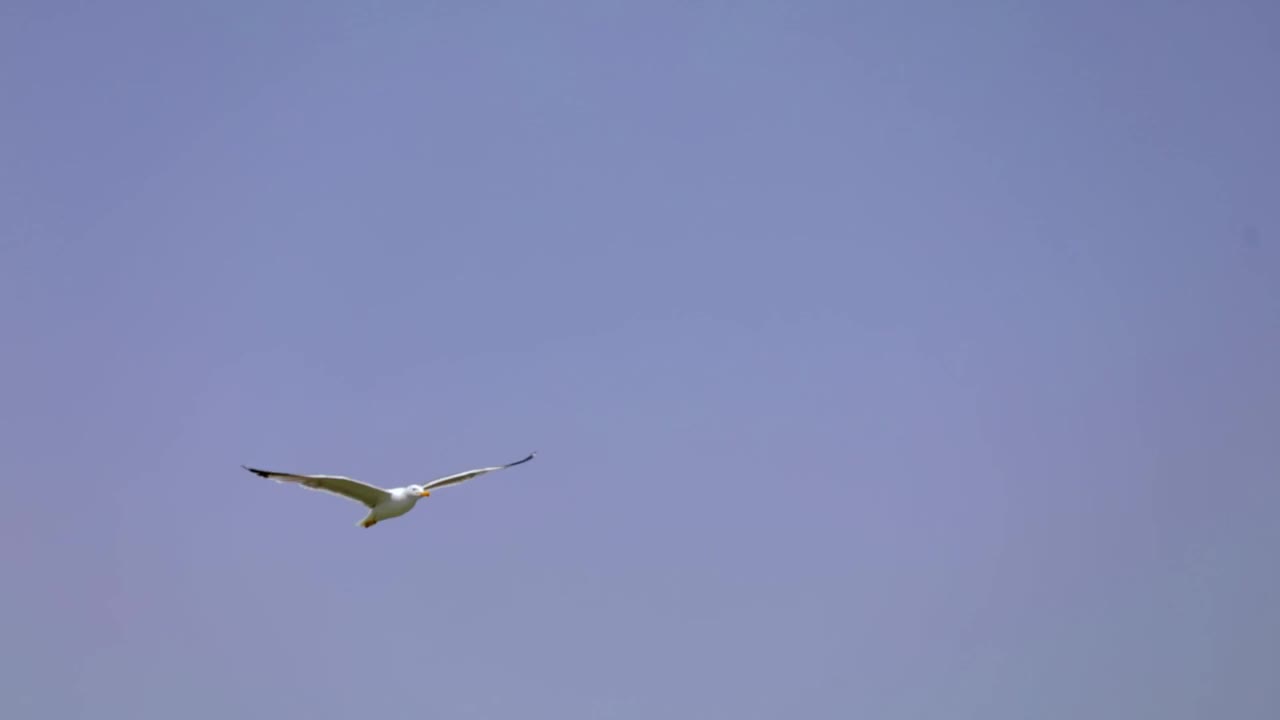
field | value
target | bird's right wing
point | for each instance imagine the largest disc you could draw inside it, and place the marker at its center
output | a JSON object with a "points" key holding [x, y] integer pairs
{"points": [[468, 474], [336, 484]]}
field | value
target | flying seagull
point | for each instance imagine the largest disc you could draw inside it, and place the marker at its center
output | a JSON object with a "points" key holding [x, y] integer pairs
{"points": [[382, 504]]}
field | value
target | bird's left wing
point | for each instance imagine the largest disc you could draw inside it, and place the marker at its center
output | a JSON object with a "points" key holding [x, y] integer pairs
{"points": [[467, 475], [336, 484]]}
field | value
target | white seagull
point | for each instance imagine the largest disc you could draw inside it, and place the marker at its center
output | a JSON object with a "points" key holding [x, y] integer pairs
{"points": [[382, 504]]}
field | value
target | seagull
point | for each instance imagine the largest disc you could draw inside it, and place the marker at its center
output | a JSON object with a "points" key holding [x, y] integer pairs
{"points": [[382, 504]]}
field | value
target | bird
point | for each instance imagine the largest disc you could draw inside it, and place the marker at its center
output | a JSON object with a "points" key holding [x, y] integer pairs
{"points": [[383, 504]]}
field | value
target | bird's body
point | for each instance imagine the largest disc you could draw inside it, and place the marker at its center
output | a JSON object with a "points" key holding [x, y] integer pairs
{"points": [[400, 502], [383, 504]]}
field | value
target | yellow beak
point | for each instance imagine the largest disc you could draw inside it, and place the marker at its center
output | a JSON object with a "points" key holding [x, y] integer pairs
{"points": [[425, 493]]}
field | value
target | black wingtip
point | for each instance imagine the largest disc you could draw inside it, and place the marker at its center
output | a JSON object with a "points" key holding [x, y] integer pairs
{"points": [[259, 473], [531, 456]]}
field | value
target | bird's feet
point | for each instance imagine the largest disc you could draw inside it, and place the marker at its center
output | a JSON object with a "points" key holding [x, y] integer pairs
{"points": [[369, 523]]}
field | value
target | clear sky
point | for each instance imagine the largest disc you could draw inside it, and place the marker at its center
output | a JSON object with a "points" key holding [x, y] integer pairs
{"points": [[885, 359]]}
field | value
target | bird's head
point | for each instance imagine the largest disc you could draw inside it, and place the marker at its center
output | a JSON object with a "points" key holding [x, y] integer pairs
{"points": [[419, 491]]}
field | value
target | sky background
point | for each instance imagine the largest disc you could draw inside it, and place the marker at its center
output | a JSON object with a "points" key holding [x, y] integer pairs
{"points": [[884, 359]]}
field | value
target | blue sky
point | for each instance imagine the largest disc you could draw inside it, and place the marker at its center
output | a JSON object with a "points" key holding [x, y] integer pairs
{"points": [[889, 360]]}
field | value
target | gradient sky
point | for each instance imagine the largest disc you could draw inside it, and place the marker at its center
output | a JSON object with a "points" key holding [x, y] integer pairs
{"points": [[886, 360]]}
